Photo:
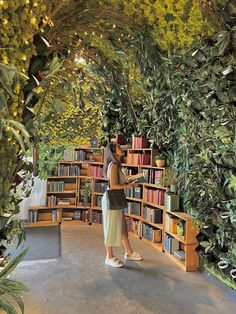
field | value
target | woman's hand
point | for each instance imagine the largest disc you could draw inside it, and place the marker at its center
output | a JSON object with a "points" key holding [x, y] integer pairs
{"points": [[131, 184]]}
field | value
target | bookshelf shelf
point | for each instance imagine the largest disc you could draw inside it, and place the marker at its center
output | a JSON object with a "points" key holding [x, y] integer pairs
{"points": [[152, 167], [134, 199], [74, 222], [62, 192], [81, 162], [134, 216], [177, 237], [97, 193], [154, 205], [159, 226], [128, 165], [181, 215], [134, 235], [63, 177], [158, 246], [139, 149], [96, 208], [181, 264], [156, 186], [42, 223]]}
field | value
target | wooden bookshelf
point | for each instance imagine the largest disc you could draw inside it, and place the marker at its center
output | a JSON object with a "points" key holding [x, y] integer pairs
{"points": [[73, 183], [188, 240]]}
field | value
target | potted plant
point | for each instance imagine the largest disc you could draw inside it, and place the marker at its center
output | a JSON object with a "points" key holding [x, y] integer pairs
{"points": [[85, 193], [160, 160], [171, 180]]}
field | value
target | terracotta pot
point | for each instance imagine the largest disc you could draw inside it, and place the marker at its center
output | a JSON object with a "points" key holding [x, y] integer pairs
{"points": [[160, 162]]}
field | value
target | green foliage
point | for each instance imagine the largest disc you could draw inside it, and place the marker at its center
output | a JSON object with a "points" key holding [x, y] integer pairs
{"points": [[11, 289], [48, 159], [189, 112]]}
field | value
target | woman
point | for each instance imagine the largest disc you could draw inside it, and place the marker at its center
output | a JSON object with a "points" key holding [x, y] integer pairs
{"points": [[114, 223]]}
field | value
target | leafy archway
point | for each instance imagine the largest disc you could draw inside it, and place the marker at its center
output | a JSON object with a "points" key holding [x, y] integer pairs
{"points": [[130, 61]]}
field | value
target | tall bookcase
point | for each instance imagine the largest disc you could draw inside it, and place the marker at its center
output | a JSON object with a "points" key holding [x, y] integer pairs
{"points": [[146, 215]]}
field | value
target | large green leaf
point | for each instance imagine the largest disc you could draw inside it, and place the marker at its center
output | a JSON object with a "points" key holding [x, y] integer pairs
{"points": [[12, 265]]}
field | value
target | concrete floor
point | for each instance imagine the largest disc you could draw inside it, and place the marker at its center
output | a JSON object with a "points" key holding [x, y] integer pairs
{"points": [[79, 283]]}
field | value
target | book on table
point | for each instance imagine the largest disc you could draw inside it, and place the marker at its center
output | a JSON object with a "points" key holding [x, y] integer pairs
{"points": [[139, 178]]}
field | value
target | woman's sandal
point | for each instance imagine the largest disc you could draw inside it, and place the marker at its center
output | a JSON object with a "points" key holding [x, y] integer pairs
{"points": [[133, 257], [114, 262]]}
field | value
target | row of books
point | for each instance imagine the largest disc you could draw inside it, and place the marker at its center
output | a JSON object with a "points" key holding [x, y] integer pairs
{"points": [[154, 196], [133, 225], [152, 214], [138, 159], [175, 225], [140, 142], [171, 244], [94, 171], [99, 201], [133, 208], [55, 186], [100, 187], [33, 216], [78, 215], [97, 217], [154, 176], [135, 192], [81, 155], [150, 233], [69, 170], [52, 200]]}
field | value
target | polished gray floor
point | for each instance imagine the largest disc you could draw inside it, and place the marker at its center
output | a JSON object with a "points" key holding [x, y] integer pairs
{"points": [[78, 282]]}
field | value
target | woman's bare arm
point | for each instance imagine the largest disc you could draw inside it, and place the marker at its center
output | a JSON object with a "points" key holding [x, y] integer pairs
{"points": [[114, 185]]}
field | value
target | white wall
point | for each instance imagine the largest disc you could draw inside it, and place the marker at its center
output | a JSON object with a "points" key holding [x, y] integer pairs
{"points": [[37, 198]]}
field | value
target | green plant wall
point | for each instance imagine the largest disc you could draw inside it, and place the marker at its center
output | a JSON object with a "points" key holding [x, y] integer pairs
{"points": [[189, 114]]}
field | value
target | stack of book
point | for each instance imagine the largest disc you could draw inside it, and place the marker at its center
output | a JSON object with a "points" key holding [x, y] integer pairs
{"points": [[138, 159], [171, 224], [154, 196], [180, 255], [80, 155], [133, 225], [135, 192], [55, 186], [133, 208], [129, 192], [33, 216], [100, 187], [95, 171], [54, 215], [52, 200], [97, 217], [153, 176], [171, 244], [99, 200], [150, 233], [152, 214], [140, 142], [69, 170]]}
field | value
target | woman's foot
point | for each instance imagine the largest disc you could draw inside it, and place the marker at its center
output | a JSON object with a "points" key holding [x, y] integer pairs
{"points": [[114, 262], [133, 257]]}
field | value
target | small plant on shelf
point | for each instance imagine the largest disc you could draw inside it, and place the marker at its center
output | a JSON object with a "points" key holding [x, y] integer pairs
{"points": [[85, 193], [171, 180], [160, 160]]}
